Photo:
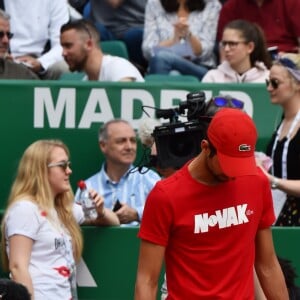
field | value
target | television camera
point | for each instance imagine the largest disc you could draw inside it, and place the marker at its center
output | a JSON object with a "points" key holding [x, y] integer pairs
{"points": [[176, 141]]}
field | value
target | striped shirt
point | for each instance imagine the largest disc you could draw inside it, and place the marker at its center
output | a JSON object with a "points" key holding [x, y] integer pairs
{"points": [[132, 189]]}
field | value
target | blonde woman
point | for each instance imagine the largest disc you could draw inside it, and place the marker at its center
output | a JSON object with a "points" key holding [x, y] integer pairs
{"points": [[40, 227], [284, 89]]}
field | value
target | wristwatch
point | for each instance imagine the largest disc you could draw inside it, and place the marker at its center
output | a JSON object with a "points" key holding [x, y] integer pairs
{"points": [[274, 182]]}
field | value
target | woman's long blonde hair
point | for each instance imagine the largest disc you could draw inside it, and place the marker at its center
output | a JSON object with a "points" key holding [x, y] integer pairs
{"points": [[32, 183]]}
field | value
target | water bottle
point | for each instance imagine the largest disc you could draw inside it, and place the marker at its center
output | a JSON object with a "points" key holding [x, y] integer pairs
{"points": [[88, 205]]}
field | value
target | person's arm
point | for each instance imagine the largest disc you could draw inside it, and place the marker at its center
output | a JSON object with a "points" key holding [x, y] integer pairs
{"points": [[149, 266], [259, 293], [203, 28], [195, 43], [152, 31], [105, 218], [268, 268], [289, 186], [58, 15], [105, 215], [20, 248]]}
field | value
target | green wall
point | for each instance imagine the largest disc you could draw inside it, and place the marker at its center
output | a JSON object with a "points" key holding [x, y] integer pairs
{"points": [[111, 255], [73, 112], [33, 110]]}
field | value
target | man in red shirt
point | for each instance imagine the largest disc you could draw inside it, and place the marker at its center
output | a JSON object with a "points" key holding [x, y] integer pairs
{"points": [[211, 222], [278, 18]]}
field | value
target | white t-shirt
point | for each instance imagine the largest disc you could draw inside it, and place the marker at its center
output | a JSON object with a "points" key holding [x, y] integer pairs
{"points": [[115, 68], [52, 266], [35, 22]]}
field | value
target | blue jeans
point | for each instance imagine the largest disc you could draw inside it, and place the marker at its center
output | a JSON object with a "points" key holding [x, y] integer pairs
{"points": [[166, 61], [132, 38], [86, 13]]}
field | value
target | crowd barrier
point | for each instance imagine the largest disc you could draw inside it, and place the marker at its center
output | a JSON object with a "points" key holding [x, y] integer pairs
{"points": [[108, 268], [111, 254], [32, 110]]}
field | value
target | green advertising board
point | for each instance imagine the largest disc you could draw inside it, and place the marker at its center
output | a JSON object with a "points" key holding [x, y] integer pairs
{"points": [[73, 112], [108, 270]]}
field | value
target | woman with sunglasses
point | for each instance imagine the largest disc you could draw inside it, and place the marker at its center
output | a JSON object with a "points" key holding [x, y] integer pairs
{"points": [[245, 54], [40, 230], [284, 147]]}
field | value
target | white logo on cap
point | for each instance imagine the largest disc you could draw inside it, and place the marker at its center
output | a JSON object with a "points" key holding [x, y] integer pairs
{"points": [[244, 148]]}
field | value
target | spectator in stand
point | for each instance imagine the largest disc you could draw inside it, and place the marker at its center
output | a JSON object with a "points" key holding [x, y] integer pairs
{"points": [[180, 36], [41, 238], [122, 20], [8, 68], [245, 53], [36, 26], [118, 179], [278, 18], [81, 50]]}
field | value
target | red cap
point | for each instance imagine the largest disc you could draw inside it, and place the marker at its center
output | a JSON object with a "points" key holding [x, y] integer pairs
{"points": [[233, 133]]}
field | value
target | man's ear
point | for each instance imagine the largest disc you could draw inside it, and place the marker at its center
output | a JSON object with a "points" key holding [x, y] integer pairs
{"points": [[204, 145], [89, 44], [102, 146]]}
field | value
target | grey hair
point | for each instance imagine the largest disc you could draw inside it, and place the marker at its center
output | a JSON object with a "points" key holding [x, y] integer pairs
{"points": [[4, 15], [103, 130]]}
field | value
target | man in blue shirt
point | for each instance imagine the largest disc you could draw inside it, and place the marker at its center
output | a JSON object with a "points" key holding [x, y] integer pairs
{"points": [[118, 181]]}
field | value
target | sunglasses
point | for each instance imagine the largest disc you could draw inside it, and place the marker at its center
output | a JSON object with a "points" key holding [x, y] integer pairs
{"points": [[7, 33], [231, 44], [274, 83], [62, 164], [227, 102]]}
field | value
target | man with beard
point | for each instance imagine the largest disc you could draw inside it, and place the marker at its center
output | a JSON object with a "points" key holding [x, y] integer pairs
{"points": [[81, 50]]}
